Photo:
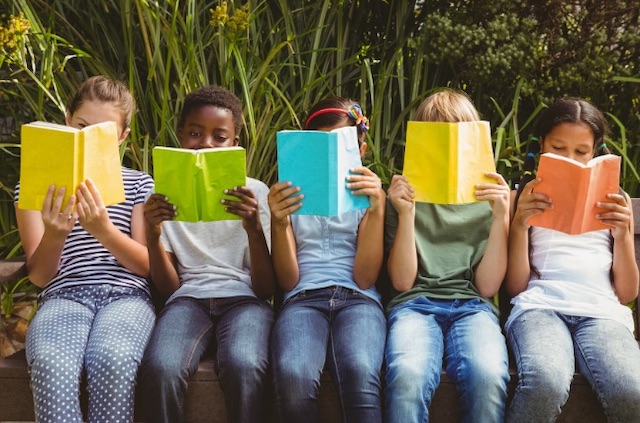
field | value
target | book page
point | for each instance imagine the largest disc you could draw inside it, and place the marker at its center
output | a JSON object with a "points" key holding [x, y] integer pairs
{"points": [[348, 157], [101, 153], [475, 159]]}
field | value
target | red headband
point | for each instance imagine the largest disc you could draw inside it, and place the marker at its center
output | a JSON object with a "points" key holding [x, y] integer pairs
{"points": [[324, 111]]}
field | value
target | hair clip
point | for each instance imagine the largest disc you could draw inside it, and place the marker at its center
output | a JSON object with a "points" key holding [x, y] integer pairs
{"points": [[527, 173], [362, 121], [531, 154], [603, 146]]}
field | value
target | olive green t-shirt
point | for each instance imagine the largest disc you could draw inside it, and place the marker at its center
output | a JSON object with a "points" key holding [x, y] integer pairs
{"points": [[450, 242]]}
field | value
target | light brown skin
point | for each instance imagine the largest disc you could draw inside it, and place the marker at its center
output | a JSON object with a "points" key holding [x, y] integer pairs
{"points": [[209, 127], [575, 141]]}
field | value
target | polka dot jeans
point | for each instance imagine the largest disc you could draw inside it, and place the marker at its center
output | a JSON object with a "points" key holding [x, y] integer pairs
{"points": [[101, 330]]}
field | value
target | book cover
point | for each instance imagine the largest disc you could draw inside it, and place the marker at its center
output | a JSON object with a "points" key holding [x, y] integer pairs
{"points": [[574, 189], [195, 180], [318, 162], [445, 161], [65, 156]]}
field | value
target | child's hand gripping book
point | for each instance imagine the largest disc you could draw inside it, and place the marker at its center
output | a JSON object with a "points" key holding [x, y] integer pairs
{"points": [[65, 156], [195, 180], [318, 162], [574, 189], [445, 161]]}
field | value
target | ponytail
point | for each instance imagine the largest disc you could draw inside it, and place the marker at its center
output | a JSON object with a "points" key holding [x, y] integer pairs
{"points": [[533, 148]]}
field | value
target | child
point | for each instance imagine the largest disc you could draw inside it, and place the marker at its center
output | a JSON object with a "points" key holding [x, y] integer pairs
{"points": [[95, 313], [446, 261], [570, 290], [217, 275], [327, 267]]}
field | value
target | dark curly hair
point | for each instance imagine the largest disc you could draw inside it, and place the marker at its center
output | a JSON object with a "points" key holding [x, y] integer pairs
{"points": [[215, 96]]}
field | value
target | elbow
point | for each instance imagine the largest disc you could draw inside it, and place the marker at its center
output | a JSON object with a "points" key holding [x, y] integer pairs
{"points": [[488, 292], [365, 281]]}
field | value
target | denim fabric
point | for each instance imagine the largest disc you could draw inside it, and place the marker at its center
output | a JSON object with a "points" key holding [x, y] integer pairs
{"points": [[467, 335], [100, 329], [341, 327], [239, 330], [546, 346]]}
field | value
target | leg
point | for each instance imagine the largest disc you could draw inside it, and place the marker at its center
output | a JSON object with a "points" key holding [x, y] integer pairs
{"points": [[543, 349], [242, 358], [414, 359], [355, 353], [56, 343], [298, 352], [180, 338], [476, 360], [608, 356], [116, 344]]}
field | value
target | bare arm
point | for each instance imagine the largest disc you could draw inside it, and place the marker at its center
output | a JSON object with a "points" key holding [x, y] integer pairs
{"points": [[402, 263], [163, 267], [262, 273], [618, 214], [369, 248], [491, 270], [131, 251], [283, 243], [44, 233], [518, 266]]}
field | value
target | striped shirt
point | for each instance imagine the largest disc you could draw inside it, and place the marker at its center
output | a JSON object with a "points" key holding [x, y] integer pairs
{"points": [[84, 261]]}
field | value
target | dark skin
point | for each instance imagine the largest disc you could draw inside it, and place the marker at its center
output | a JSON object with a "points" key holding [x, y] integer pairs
{"points": [[208, 127]]}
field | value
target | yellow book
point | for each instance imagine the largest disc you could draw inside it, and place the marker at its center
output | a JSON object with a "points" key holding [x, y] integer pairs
{"points": [[65, 156], [445, 161]]}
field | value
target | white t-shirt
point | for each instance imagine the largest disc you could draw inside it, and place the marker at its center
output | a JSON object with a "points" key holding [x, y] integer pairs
{"points": [[575, 277], [213, 257]]}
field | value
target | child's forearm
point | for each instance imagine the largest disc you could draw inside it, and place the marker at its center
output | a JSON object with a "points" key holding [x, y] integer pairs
{"points": [[44, 263], [162, 268], [284, 256], [262, 274], [492, 268], [625, 270], [129, 252], [369, 249], [402, 264], [518, 266]]}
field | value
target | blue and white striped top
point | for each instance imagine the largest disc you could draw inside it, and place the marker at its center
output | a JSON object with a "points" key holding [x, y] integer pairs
{"points": [[84, 260]]}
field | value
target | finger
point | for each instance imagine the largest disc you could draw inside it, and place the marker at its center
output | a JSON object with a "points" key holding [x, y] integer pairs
{"points": [[620, 199], [362, 170], [87, 197], [498, 177], [95, 194], [57, 202], [48, 199], [528, 188], [283, 195]]}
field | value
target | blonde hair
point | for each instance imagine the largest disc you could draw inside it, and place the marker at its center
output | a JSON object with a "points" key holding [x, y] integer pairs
{"points": [[447, 106], [106, 90]]}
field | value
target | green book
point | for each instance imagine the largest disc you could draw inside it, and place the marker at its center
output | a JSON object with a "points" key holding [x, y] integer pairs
{"points": [[195, 180]]}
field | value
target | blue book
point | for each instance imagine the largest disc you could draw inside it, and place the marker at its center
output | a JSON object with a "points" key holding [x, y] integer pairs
{"points": [[318, 162]]}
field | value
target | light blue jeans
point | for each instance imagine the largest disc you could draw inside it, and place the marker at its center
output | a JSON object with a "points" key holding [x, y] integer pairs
{"points": [[237, 328], [342, 327], [467, 335], [99, 329], [546, 346]]}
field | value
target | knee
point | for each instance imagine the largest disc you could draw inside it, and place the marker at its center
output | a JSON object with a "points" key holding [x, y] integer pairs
{"points": [[408, 383], [250, 367], [487, 376]]}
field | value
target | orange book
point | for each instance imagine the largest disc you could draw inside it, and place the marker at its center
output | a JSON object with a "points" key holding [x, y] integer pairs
{"points": [[574, 189]]}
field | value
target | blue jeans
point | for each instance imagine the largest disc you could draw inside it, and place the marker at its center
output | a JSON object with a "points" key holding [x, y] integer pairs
{"points": [[342, 327], [99, 329], [467, 335], [238, 328], [546, 346]]}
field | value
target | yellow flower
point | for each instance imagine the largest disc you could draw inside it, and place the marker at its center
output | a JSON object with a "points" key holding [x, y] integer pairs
{"points": [[11, 33], [219, 15], [240, 19]]}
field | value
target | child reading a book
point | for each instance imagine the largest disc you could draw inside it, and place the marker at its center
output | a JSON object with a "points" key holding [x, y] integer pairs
{"points": [[571, 290], [327, 268], [218, 277], [446, 261], [95, 315]]}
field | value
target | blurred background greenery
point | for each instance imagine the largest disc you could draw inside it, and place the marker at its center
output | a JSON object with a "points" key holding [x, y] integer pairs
{"points": [[511, 56]]}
